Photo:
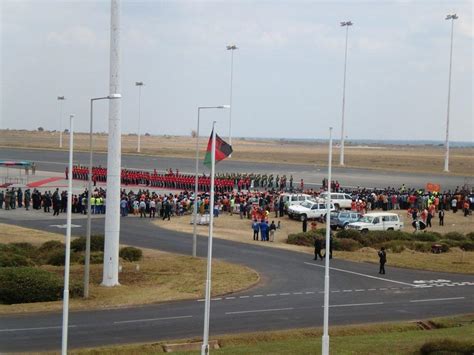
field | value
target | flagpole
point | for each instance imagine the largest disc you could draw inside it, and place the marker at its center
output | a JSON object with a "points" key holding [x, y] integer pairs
{"points": [[325, 338], [68, 243], [205, 340]]}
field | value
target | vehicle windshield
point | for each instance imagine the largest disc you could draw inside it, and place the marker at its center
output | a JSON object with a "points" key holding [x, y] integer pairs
{"points": [[366, 219], [307, 204]]}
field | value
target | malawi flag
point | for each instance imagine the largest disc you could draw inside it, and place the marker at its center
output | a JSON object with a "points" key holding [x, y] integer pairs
{"points": [[223, 150]]}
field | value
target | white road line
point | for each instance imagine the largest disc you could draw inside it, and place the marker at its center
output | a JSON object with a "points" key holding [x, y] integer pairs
{"points": [[370, 276], [150, 319], [297, 293], [201, 300], [258, 296], [383, 289], [359, 290], [346, 290], [244, 296], [438, 299], [28, 329], [284, 294], [309, 292], [216, 299], [355, 304], [230, 298], [335, 291], [271, 295], [261, 310], [373, 289]]}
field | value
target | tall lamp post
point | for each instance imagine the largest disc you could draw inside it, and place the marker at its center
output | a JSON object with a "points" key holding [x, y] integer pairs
{"points": [[61, 99], [446, 157], [231, 48], [89, 195], [345, 24], [197, 172], [139, 84]]}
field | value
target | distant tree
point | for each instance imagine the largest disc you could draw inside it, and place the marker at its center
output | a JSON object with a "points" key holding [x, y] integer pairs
{"points": [[40, 129], [147, 134], [66, 131], [193, 133]]}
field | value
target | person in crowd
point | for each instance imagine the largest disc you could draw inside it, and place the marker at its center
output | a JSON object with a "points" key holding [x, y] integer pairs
{"points": [[256, 229], [272, 230]]}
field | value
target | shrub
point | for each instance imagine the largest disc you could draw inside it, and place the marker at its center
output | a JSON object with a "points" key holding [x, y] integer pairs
{"points": [[455, 236], [97, 243], [426, 236], [51, 245], [470, 236], [467, 246], [449, 346], [450, 243], [26, 285], [96, 258], [348, 234], [444, 248], [14, 260], [346, 244], [306, 238], [25, 248], [422, 247], [131, 253], [395, 246]]}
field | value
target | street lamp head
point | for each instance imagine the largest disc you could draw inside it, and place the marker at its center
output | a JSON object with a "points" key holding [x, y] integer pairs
{"points": [[451, 17], [346, 23], [61, 98], [114, 96], [139, 83], [223, 106], [231, 47], [71, 116]]}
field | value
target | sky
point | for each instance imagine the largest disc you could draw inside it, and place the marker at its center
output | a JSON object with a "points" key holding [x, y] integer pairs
{"points": [[287, 71]]}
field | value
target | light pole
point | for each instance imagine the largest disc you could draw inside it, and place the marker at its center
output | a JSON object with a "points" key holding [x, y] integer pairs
{"points": [[197, 172], [65, 325], [231, 48], [61, 99], [89, 195], [345, 24], [139, 84], [446, 157], [325, 338]]}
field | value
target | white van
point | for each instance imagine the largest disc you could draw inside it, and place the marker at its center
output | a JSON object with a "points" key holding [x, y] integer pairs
{"points": [[339, 199], [294, 199], [378, 221]]}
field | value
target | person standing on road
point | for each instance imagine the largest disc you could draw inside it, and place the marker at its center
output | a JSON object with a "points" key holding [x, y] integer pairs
{"points": [[317, 248], [383, 260]]}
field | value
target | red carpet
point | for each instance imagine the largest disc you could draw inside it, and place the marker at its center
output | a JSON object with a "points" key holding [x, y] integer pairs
{"points": [[44, 182]]}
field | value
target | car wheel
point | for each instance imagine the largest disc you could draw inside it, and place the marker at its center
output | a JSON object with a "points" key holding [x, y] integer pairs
{"points": [[334, 228], [390, 229], [302, 217], [364, 231], [346, 226]]}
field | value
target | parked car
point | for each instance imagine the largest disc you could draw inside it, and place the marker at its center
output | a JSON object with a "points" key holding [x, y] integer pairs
{"points": [[294, 199], [379, 221], [343, 218], [309, 210], [340, 200]]}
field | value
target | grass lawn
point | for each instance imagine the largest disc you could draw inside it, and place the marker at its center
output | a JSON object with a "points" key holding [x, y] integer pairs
{"points": [[160, 277], [239, 230], [385, 338]]}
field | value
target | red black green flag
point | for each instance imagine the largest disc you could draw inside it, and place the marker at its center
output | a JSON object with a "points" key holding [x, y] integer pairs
{"points": [[223, 150]]}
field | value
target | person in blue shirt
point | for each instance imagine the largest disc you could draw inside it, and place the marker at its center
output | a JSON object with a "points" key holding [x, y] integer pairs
{"points": [[255, 228], [264, 230]]}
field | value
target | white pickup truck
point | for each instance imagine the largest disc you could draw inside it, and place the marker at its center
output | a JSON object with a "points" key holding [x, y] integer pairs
{"points": [[340, 200], [308, 210]]}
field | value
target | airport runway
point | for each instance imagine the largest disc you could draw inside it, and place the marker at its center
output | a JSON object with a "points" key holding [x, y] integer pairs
{"points": [[288, 296], [50, 160]]}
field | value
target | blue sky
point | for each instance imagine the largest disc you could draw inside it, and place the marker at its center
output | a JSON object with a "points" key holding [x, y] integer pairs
{"points": [[288, 70]]}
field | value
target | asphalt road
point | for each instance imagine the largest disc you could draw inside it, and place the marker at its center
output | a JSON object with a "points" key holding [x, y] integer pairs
{"points": [[289, 295], [50, 160]]}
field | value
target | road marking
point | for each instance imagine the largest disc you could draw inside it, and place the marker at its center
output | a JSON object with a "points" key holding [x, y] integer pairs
{"points": [[284, 294], [369, 276], [271, 294], [309, 292], [63, 226], [244, 296], [374, 289], [216, 299], [335, 291], [261, 310], [359, 290], [28, 329], [438, 299], [297, 293], [230, 298], [355, 304], [346, 290], [149, 319], [258, 296], [383, 289]]}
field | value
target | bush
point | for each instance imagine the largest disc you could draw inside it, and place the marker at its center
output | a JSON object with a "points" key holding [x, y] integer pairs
{"points": [[422, 247], [131, 253], [51, 245], [346, 244], [97, 243], [14, 260], [450, 243], [395, 246], [470, 236], [448, 346], [348, 234], [455, 236], [25, 248], [26, 285], [426, 236], [306, 238], [467, 246], [444, 248], [96, 258]]}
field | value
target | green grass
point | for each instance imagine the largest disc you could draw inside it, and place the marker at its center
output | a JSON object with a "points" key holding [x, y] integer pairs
{"points": [[385, 338]]}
